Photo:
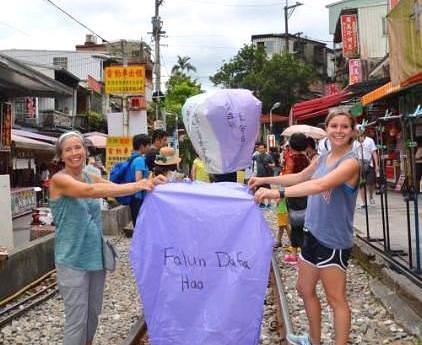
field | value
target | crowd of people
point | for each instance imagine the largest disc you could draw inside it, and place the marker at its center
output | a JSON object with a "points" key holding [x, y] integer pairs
{"points": [[316, 201]]}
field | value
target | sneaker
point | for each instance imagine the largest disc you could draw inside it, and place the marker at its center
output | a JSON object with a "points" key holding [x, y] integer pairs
{"points": [[299, 339], [372, 202], [290, 258], [360, 206]]}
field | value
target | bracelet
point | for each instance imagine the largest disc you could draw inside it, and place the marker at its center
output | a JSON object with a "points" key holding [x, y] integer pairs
{"points": [[281, 191]]}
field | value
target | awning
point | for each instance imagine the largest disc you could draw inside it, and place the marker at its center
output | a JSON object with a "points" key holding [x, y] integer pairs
{"points": [[389, 89], [19, 80], [96, 140], [265, 118], [318, 106], [35, 136], [385, 90], [31, 144]]}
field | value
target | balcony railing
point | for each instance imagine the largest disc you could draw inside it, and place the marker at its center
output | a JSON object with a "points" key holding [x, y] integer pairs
{"points": [[57, 119]]}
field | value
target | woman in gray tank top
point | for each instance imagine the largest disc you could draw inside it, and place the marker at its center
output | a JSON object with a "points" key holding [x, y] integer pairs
{"points": [[78, 241], [331, 184]]}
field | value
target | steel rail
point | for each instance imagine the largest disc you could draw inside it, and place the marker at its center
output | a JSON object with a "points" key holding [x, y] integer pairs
{"points": [[281, 296], [26, 308], [136, 333]]}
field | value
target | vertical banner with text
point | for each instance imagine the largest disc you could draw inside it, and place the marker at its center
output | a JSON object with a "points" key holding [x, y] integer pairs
{"points": [[355, 71], [118, 149], [349, 35]]}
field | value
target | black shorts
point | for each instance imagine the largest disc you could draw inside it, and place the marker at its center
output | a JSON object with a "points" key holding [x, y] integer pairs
{"points": [[315, 253]]}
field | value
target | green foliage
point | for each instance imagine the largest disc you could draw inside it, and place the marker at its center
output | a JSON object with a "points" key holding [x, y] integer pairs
{"points": [[183, 65], [283, 78], [96, 121]]}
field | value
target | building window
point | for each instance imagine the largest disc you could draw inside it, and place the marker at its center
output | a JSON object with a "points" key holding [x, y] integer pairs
{"points": [[60, 61], [269, 47], [384, 26], [260, 44]]}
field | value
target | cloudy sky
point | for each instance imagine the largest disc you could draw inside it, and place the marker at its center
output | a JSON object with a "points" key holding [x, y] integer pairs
{"points": [[209, 31]]}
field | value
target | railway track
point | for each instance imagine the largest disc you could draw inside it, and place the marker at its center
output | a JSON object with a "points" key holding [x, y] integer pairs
{"points": [[33, 294], [283, 325]]}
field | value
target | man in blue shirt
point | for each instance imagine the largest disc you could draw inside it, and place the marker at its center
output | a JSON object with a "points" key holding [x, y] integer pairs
{"points": [[138, 171]]}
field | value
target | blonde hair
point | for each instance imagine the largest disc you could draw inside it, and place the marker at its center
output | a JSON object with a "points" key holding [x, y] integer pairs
{"points": [[59, 143], [338, 111]]}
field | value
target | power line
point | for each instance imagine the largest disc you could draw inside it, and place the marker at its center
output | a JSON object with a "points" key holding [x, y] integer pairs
{"points": [[233, 5], [14, 28], [76, 20]]}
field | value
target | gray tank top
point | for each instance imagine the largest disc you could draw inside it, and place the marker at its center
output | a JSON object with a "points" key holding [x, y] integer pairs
{"points": [[329, 215]]}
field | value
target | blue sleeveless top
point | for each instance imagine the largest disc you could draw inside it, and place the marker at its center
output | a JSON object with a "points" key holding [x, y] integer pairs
{"points": [[329, 215], [78, 240]]}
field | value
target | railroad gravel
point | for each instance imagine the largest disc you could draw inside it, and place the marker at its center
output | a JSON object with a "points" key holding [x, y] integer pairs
{"points": [[371, 323]]}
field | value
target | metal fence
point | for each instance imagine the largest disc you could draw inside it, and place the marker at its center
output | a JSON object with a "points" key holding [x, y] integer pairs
{"points": [[393, 226]]}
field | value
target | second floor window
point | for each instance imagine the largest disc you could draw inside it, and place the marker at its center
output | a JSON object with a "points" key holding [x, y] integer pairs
{"points": [[60, 61]]}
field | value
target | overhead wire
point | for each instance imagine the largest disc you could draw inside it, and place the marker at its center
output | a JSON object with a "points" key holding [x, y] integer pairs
{"points": [[75, 19], [235, 5]]}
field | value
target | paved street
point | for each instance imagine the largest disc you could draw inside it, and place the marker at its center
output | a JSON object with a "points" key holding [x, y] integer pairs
{"points": [[397, 220]]}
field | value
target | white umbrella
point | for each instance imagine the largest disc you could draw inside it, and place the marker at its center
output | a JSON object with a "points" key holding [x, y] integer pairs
{"points": [[309, 131]]}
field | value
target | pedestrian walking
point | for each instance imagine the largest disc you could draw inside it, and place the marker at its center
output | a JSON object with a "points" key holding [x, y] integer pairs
{"points": [[78, 240], [138, 171], [331, 182], [159, 140], [366, 150], [296, 206]]}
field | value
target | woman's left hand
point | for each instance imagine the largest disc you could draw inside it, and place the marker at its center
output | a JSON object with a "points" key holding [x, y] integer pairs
{"points": [[264, 193]]}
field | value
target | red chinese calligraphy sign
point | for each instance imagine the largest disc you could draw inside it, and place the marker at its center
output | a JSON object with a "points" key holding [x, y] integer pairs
{"points": [[349, 34]]}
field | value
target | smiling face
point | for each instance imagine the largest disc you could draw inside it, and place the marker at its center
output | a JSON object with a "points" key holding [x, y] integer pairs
{"points": [[73, 152], [340, 130]]}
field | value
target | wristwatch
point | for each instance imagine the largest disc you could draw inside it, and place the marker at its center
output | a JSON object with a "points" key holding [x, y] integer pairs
{"points": [[281, 191]]}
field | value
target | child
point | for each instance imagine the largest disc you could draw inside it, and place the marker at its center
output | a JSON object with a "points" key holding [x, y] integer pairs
{"points": [[283, 222]]}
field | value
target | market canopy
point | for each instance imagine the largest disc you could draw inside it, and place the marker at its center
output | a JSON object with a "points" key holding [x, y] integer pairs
{"points": [[318, 106], [96, 139], [19, 80], [31, 144]]}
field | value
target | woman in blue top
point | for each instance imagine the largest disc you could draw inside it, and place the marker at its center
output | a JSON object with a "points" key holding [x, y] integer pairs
{"points": [[331, 182], [78, 241]]}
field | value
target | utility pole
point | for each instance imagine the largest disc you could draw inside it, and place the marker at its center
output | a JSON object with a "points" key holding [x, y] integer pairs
{"points": [[124, 97], [288, 11], [157, 25]]}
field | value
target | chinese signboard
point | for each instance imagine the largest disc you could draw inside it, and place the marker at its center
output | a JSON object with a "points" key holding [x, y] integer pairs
{"points": [[331, 89], [118, 149], [128, 80], [5, 125], [355, 71], [270, 140], [349, 35], [23, 201]]}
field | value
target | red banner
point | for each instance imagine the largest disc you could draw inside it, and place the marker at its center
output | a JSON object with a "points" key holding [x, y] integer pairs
{"points": [[93, 84], [349, 34], [5, 125], [355, 71], [392, 4], [31, 108]]}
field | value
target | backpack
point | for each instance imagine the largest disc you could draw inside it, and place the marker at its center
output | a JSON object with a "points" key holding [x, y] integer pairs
{"points": [[120, 173]]}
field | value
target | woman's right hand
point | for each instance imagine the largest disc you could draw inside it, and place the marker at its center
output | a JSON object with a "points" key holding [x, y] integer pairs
{"points": [[145, 184]]}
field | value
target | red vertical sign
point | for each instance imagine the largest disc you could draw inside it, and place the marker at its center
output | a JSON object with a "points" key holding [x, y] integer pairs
{"points": [[331, 89], [393, 3], [349, 34], [5, 125], [355, 71]]}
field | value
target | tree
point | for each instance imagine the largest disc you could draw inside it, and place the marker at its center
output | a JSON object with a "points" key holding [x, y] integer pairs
{"points": [[183, 65], [283, 78]]}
